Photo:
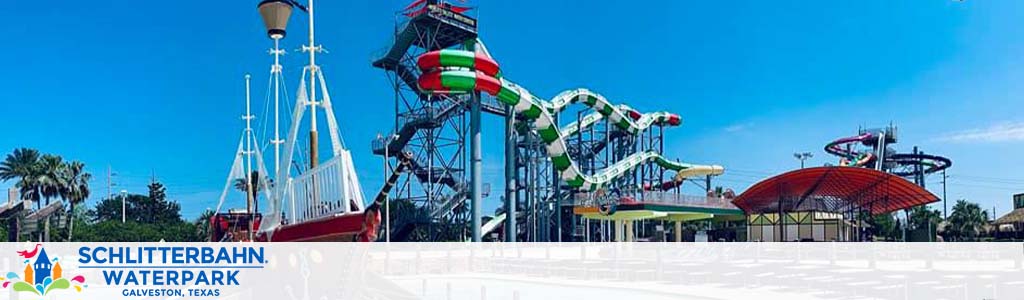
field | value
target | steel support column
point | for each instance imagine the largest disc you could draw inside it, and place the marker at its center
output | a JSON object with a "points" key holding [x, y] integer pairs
{"points": [[510, 175]]}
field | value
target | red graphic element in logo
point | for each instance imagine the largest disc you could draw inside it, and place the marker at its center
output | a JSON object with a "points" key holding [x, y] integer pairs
{"points": [[27, 254]]}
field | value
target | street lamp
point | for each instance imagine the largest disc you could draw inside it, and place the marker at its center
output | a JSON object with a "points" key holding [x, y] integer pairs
{"points": [[275, 14], [802, 157], [124, 199]]}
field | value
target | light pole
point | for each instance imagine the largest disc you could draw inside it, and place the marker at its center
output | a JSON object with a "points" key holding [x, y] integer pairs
{"points": [[124, 199], [802, 157], [275, 14]]}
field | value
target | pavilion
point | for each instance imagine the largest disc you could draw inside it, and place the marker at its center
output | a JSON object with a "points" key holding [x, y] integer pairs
{"points": [[824, 203]]}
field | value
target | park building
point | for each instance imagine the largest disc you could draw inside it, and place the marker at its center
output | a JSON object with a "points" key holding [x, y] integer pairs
{"points": [[1011, 225]]}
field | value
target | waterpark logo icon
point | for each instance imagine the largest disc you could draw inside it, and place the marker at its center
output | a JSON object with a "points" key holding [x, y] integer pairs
{"points": [[41, 274]]}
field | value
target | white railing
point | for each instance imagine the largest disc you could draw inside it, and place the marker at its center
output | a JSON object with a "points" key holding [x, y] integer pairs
{"points": [[320, 192], [666, 198]]}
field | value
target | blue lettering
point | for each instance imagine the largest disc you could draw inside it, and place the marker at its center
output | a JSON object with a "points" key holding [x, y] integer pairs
{"points": [[257, 256], [112, 277], [192, 255], [96, 255], [232, 277], [83, 255], [207, 255]]}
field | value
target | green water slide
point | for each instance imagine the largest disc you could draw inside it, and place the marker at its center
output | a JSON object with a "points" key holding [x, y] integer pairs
{"points": [[458, 71]]}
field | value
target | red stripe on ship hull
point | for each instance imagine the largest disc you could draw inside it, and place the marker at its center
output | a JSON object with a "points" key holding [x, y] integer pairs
{"points": [[336, 228]]}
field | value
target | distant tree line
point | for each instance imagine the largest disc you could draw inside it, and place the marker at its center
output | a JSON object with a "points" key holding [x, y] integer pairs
{"points": [[43, 178], [966, 222]]}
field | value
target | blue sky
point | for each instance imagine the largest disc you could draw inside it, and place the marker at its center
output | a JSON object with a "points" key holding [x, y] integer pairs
{"points": [[157, 88]]}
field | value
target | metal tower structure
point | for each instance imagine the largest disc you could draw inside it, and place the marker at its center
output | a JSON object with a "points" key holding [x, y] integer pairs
{"points": [[537, 189], [434, 128], [596, 145], [435, 40]]}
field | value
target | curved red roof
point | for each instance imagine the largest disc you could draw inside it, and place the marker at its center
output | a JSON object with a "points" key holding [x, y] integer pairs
{"points": [[833, 189]]}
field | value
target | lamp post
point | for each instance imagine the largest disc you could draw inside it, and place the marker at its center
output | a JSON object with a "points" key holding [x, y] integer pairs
{"points": [[124, 199], [802, 157], [275, 14]]}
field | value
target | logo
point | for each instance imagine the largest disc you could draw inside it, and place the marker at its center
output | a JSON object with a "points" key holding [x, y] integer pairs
{"points": [[41, 274]]}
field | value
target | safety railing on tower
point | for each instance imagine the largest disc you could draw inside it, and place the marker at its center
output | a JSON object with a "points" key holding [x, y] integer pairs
{"points": [[657, 197]]}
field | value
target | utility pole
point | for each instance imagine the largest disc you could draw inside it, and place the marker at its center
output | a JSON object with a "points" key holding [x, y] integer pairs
{"points": [[945, 214], [110, 182]]}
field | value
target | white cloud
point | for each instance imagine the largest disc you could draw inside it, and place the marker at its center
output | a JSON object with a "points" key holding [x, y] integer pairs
{"points": [[1002, 132], [738, 127]]}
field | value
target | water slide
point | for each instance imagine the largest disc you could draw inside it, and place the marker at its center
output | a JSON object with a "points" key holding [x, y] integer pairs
{"points": [[845, 149], [458, 71], [900, 164], [929, 163], [493, 224], [682, 175]]}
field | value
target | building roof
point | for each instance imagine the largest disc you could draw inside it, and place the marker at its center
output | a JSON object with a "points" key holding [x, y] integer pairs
{"points": [[1014, 216], [833, 189]]}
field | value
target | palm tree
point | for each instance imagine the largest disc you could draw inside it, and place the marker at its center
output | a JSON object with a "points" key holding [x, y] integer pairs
{"points": [[203, 225], [50, 185], [967, 220], [75, 181], [923, 217], [22, 164], [242, 184], [49, 177]]}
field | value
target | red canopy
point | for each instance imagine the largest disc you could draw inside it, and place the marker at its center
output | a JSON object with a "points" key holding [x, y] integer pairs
{"points": [[835, 189]]}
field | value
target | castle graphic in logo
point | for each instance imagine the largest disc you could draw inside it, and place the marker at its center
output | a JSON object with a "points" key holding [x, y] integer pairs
{"points": [[41, 274]]}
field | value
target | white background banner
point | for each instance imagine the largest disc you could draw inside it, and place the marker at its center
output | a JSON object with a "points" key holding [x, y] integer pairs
{"points": [[621, 271]]}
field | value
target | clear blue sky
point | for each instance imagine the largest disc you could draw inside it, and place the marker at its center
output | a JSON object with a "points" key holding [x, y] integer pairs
{"points": [[157, 87]]}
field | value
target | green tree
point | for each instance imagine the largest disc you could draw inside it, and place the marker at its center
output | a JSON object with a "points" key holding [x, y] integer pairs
{"points": [[156, 208], [137, 208], [242, 185], [75, 181], [202, 224], [23, 165], [885, 226], [49, 177], [967, 221], [923, 217], [147, 220]]}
